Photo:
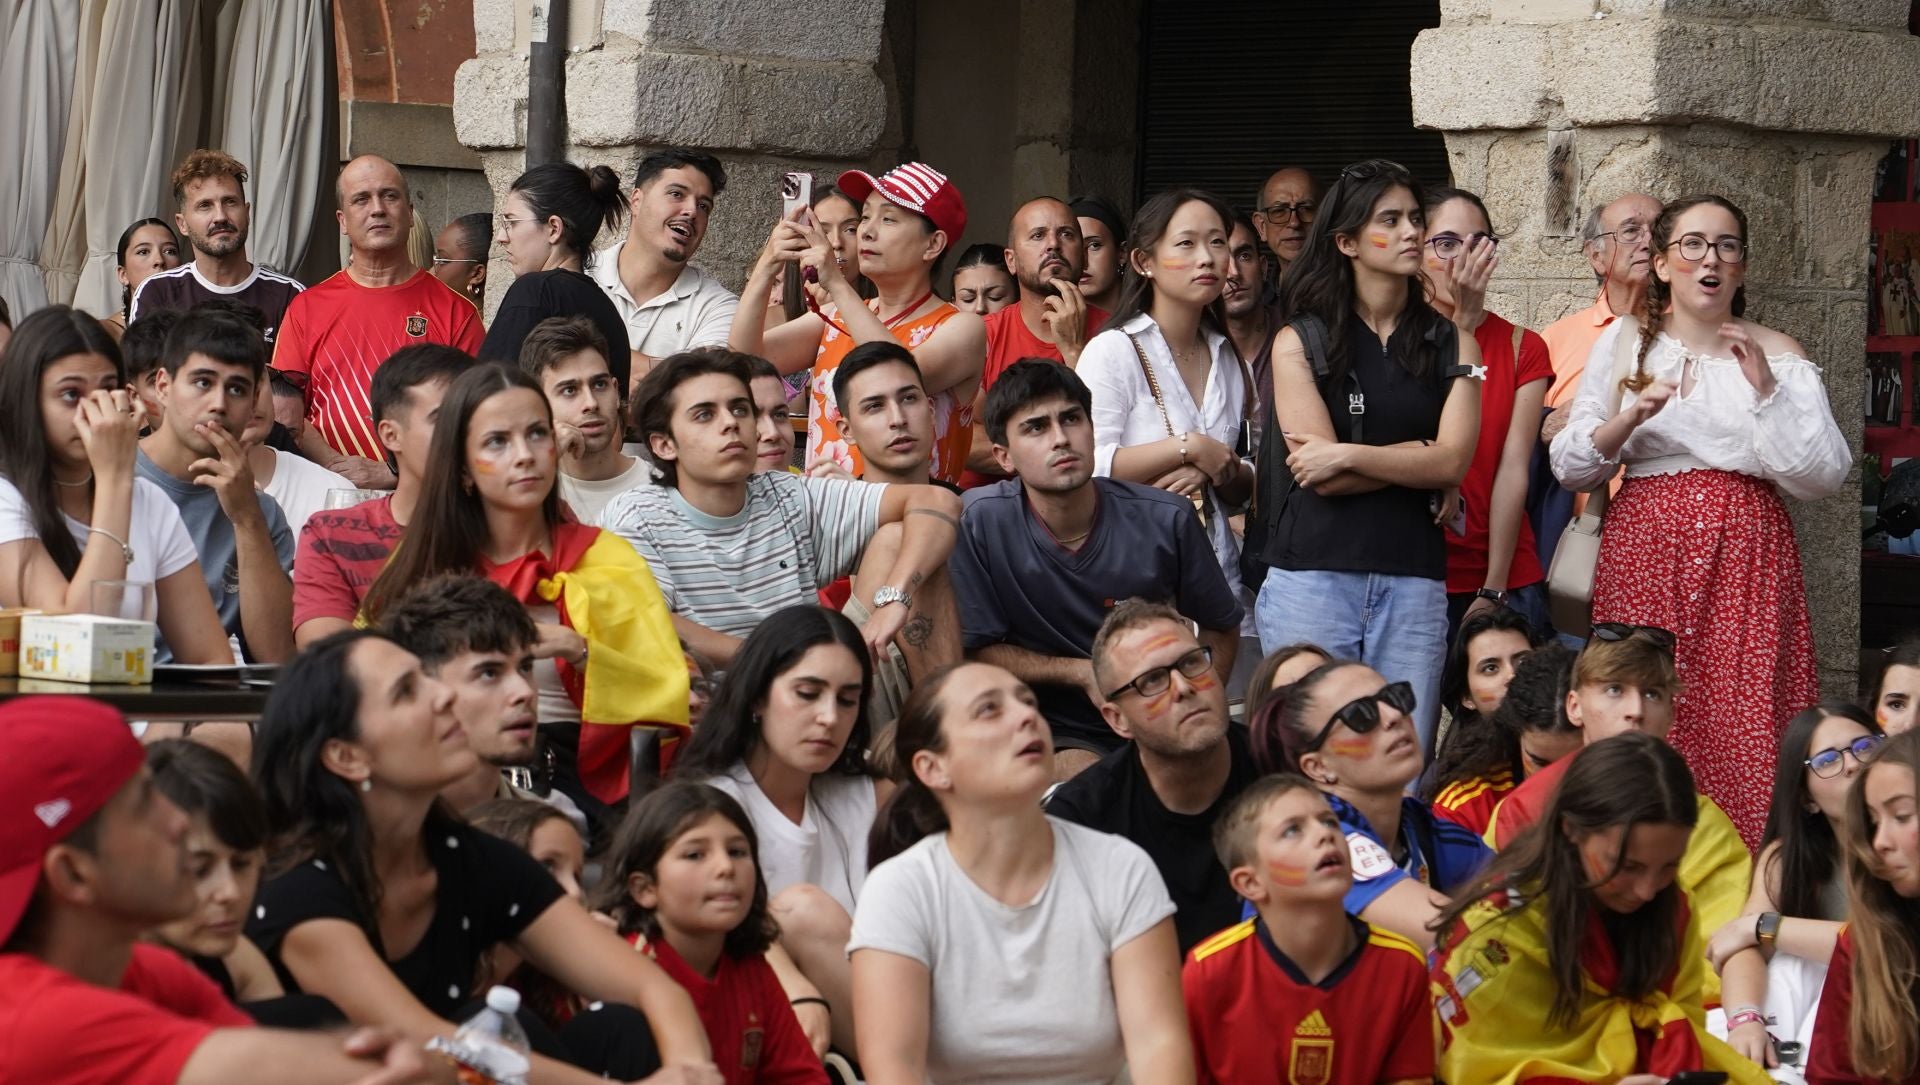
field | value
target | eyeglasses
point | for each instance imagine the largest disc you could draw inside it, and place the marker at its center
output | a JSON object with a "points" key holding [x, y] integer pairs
{"points": [[1154, 682], [508, 222], [1363, 715], [1695, 246], [1448, 246], [1631, 234], [1276, 214], [1828, 762], [438, 260], [700, 687], [1662, 639]]}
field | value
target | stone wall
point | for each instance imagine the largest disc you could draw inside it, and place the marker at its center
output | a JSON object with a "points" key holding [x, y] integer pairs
{"points": [[1553, 107]]}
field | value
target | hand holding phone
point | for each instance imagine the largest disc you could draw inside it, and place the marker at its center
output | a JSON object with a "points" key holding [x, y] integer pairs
{"points": [[796, 193]]}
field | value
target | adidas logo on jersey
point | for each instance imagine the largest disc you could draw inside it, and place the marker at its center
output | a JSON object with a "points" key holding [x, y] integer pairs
{"points": [[1312, 1025]]}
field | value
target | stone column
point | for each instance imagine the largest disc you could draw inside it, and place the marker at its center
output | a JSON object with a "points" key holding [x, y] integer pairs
{"points": [[767, 87], [1553, 107]]}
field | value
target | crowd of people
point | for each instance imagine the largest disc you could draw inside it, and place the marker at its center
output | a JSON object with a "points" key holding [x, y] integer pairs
{"points": [[891, 674]]}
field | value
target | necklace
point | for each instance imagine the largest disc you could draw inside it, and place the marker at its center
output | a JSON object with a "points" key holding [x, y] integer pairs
{"points": [[888, 322], [74, 485]]}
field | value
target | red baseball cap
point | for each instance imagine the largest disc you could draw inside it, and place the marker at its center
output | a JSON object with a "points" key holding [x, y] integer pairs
{"points": [[917, 187], [61, 759]]}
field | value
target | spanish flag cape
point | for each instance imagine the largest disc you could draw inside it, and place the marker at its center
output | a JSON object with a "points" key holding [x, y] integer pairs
{"points": [[1493, 989], [635, 672]]}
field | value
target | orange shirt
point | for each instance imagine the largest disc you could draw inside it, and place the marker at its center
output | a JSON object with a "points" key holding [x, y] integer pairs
{"points": [[952, 415], [1569, 340]]}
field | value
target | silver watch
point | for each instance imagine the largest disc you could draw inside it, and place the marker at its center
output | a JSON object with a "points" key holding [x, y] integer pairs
{"points": [[891, 594]]}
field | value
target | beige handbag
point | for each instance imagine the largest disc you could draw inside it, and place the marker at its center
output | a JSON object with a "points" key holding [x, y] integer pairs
{"points": [[1570, 577]]}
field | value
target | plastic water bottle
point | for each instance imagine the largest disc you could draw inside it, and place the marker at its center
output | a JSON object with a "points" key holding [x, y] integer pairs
{"points": [[491, 1047]]}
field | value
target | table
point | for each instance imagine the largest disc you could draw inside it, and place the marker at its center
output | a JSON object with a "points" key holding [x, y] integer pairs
{"points": [[170, 701]]}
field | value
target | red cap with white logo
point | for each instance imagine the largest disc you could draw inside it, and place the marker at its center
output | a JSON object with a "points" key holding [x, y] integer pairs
{"points": [[917, 187], [61, 759]]}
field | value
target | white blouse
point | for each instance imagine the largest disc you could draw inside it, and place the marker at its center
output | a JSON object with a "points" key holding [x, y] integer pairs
{"points": [[1124, 413], [1789, 439]]}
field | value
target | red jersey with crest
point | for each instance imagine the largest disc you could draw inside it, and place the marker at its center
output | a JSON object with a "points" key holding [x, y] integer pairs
{"points": [[1257, 1020], [755, 1036], [1471, 803], [337, 333]]}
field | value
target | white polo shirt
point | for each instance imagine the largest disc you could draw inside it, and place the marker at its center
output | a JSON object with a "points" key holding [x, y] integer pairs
{"points": [[695, 312]]}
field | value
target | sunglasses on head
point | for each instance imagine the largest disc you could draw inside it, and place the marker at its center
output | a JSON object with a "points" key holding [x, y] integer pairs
{"points": [[1619, 631], [1363, 715], [1828, 762]]}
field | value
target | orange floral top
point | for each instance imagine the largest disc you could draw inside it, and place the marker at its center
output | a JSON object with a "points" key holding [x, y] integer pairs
{"points": [[952, 416]]}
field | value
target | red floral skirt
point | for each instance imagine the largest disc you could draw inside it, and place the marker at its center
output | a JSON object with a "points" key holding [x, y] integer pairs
{"points": [[1711, 556]]}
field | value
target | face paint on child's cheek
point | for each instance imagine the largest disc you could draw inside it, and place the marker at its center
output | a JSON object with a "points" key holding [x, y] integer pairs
{"points": [[1379, 241], [1287, 874], [1351, 747]]}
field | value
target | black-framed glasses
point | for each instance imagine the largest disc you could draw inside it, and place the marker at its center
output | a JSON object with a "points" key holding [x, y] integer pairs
{"points": [[1828, 762], [1448, 246], [1276, 214], [438, 260], [1154, 681], [1363, 715], [1695, 246], [1632, 234], [1662, 639]]}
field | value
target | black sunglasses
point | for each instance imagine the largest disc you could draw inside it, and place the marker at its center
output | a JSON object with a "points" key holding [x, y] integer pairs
{"points": [[1619, 631], [1363, 715]]}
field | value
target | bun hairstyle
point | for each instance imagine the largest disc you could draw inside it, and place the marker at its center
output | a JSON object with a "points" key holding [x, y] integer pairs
{"points": [[1279, 734], [913, 812], [585, 199], [1660, 294]]}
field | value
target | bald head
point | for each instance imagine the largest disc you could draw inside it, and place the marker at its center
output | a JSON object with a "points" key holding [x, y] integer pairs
{"points": [[1044, 245], [1280, 217], [375, 212]]}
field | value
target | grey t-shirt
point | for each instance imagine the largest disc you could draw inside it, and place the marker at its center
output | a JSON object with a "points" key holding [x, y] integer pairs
{"points": [[213, 537], [1019, 993]]}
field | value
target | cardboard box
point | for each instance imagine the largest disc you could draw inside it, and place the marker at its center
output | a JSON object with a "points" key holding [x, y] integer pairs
{"points": [[86, 648], [10, 639]]}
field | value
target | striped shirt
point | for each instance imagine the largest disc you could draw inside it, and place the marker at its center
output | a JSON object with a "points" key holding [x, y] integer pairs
{"points": [[185, 288], [794, 535], [338, 332]]}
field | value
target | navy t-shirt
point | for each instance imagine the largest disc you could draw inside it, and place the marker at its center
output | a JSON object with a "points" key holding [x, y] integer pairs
{"points": [[1016, 585]]}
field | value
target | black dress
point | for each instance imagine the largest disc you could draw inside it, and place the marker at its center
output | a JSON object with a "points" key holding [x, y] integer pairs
{"points": [[559, 292]]}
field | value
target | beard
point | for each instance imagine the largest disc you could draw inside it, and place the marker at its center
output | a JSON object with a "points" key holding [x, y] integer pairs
{"points": [[1037, 280], [219, 245]]}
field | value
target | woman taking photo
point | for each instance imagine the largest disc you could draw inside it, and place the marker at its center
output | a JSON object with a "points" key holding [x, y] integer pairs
{"points": [[1713, 418], [1376, 425], [382, 901], [547, 225], [147, 247], [908, 219], [72, 513], [607, 655], [1868, 1029], [787, 736], [1351, 732], [1495, 562], [1772, 957], [994, 941], [1170, 392], [1575, 957]]}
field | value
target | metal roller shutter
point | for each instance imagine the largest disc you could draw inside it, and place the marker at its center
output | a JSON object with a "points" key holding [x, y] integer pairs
{"points": [[1232, 89]]}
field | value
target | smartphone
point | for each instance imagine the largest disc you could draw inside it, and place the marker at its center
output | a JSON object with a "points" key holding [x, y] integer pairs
{"points": [[1698, 1077], [796, 192]]}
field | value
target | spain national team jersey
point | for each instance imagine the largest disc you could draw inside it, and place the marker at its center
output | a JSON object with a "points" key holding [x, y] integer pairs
{"points": [[1471, 803], [1257, 1020], [337, 333]]}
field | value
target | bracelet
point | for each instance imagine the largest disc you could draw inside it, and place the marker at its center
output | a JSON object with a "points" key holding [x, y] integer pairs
{"points": [[125, 550], [1183, 448], [1746, 1017], [812, 1001]]}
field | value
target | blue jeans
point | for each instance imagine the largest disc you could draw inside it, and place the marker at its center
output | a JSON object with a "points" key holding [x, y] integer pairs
{"points": [[1395, 624]]}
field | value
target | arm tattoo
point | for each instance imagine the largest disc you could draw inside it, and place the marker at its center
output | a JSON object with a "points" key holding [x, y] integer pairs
{"points": [[913, 583], [951, 522], [917, 631]]}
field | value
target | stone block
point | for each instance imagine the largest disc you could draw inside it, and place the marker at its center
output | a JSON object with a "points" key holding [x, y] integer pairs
{"points": [[1046, 88], [1888, 15], [1492, 75], [826, 110], [1540, 11], [1555, 300], [493, 26], [1607, 71], [1741, 10], [1845, 82], [489, 102], [1465, 11], [1836, 199], [829, 30]]}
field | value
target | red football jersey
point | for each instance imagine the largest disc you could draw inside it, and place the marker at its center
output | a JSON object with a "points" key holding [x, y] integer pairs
{"points": [[1471, 803], [1256, 1020], [337, 333]]}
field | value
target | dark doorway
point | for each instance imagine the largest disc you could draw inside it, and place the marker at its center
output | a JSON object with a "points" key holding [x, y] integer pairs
{"points": [[1232, 89]]}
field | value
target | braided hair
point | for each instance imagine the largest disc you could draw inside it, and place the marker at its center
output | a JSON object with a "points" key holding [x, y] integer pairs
{"points": [[1660, 293]]}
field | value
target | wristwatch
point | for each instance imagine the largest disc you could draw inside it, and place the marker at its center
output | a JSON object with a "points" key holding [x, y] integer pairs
{"points": [[1766, 929], [1498, 595], [891, 594]]}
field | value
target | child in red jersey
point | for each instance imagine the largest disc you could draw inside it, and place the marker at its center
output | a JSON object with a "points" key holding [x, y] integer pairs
{"points": [[1305, 992], [682, 880]]}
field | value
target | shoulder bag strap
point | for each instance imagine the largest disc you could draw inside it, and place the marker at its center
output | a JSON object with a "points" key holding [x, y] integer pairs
{"points": [[1625, 346], [1153, 385]]}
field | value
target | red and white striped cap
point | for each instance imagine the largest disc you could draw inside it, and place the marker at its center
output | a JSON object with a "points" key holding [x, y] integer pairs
{"points": [[917, 187]]}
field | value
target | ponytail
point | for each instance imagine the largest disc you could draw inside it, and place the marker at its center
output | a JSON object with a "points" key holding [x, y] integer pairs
{"points": [[913, 812]]}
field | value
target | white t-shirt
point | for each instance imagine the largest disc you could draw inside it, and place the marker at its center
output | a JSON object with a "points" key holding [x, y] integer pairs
{"points": [[299, 486], [827, 849], [161, 545], [1020, 994], [586, 499]]}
